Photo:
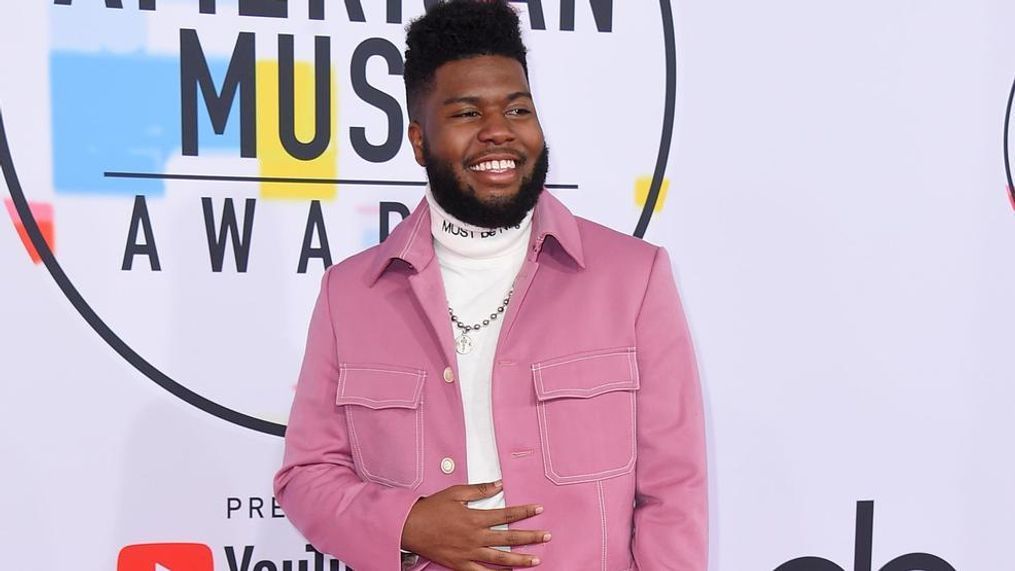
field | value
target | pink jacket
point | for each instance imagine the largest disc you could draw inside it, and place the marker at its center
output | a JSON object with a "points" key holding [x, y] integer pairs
{"points": [[596, 402]]}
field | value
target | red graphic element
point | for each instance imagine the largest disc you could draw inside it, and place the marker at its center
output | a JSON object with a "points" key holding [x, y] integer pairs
{"points": [[1011, 197], [43, 214], [166, 557]]}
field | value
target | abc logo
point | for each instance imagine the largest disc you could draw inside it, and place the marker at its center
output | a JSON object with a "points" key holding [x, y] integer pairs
{"points": [[864, 546]]}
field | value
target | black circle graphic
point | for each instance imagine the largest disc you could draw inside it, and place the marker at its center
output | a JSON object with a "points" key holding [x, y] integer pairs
{"points": [[236, 417]]}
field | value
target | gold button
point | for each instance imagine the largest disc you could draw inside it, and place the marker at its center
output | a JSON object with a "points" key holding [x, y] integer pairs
{"points": [[447, 465], [449, 375]]}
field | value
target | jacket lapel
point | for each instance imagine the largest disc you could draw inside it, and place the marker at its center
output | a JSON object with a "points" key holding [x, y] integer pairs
{"points": [[412, 243], [428, 286]]}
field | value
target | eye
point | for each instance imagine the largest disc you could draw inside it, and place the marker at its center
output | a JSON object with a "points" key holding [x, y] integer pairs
{"points": [[519, 111], [466, 114]]}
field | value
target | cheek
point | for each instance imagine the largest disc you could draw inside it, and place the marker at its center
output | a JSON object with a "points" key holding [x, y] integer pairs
{"points": [[452, 148], [450, 134], [533, 139]]}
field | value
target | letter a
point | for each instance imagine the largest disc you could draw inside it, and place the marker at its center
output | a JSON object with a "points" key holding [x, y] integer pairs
{"points": [[315, 225], [139, 220]]}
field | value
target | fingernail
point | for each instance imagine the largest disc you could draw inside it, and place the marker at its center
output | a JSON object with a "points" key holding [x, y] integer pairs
{"points": [[498, 484], [539, 509], [546, 537], [535, 561]]}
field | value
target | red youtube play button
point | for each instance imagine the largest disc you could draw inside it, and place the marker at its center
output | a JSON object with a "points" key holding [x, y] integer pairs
{"points": [[166, 557]]}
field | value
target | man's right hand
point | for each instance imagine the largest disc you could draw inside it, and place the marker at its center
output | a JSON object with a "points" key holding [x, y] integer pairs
{"points": [[446, 531]]}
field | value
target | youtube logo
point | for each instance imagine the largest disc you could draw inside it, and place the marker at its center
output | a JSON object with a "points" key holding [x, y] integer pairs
{"points": [[166, 557]]}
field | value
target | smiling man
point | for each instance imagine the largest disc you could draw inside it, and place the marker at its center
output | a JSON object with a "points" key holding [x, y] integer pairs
{"points": [[499, 383]]}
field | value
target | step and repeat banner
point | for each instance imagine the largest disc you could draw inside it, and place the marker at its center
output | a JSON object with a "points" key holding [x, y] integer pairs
{"points": [[832, 181]]}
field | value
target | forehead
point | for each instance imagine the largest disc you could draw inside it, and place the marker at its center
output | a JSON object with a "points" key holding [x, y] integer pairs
{"points": [[481, 76]]}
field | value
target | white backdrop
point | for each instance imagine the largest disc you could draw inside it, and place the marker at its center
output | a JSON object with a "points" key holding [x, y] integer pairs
{"points": [[834, 201]]}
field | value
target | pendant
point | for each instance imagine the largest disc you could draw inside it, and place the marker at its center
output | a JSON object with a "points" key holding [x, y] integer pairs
{"points": [[463, 344]]}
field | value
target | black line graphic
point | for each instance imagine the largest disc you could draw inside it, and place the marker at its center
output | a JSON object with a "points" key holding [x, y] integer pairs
{"points": [[1007, 155], [669, 114], [285, 179]]}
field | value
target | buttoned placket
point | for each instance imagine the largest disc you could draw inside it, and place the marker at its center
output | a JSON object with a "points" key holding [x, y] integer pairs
{"points": [[523, 281], [427, 284]]}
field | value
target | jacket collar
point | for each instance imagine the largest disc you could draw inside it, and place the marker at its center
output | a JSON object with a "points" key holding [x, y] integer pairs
{"points": [[412, 243]]}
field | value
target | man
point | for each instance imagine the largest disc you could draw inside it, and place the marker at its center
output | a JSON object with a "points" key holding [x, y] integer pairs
{"points": [[499, 383]]}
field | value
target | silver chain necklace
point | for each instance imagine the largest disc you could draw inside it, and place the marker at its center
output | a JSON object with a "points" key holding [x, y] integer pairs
{"points": [[463, 343]]}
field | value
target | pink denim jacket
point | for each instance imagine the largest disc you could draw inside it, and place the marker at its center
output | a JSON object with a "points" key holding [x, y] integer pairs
{"points": [[596, 402]]}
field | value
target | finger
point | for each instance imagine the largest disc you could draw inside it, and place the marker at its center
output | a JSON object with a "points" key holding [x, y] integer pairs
{"points": [[506, 558], [474, 492], [510, 514], [514, 537]]}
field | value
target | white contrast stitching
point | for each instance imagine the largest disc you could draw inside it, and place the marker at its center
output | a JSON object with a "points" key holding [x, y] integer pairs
{"points": [[412, 237], [419, 448], [553, 363], [552, 474], [537, 370], [545, 437], [361, 465], [602, 519], [410, 404], [632, 383], [356, 451], [634, 430], [348, 368], [413, 402], [580, 392], [633, 369]]}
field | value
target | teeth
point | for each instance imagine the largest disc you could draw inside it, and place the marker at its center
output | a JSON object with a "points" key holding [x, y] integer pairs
{"points": [[494, 165]]}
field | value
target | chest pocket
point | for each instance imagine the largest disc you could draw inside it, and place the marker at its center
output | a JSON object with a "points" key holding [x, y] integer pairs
{"points": [[587, 414], [385, 418]]}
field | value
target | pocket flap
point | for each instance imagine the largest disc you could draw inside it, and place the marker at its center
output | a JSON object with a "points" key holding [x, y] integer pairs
{"points": [[585, 375], [379, 386]]}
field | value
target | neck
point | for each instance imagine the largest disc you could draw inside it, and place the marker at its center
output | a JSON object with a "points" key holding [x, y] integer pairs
{"points": [[456, 237]]}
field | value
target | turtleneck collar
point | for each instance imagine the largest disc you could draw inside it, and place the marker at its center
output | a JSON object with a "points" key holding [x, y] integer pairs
{"points": [[458, 238]]}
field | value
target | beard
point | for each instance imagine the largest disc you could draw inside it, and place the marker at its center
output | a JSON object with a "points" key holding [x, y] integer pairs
{"points": [[460, 200]]}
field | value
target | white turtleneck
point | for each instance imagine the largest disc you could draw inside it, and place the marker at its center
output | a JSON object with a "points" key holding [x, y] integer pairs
{"points": [[478, 266]]}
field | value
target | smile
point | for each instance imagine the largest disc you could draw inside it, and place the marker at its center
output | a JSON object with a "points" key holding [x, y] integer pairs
{"points": [[497, 166]]}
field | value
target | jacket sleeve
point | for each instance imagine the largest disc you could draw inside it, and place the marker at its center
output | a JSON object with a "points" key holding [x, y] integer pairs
{"points": [[671, 494], [317, 486]]}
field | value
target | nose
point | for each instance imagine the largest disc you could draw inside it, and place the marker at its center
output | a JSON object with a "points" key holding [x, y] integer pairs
{"points": [[496, 129]]}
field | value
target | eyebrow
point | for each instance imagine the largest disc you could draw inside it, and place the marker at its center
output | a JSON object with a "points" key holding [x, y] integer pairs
{"points": [[474, 100]]}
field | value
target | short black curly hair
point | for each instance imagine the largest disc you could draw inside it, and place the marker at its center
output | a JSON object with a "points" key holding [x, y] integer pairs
{"points": [[455, 30]]}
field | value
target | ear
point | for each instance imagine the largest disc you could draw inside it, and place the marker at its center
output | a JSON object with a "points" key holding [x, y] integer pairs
{"points": [[416, 139]]}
